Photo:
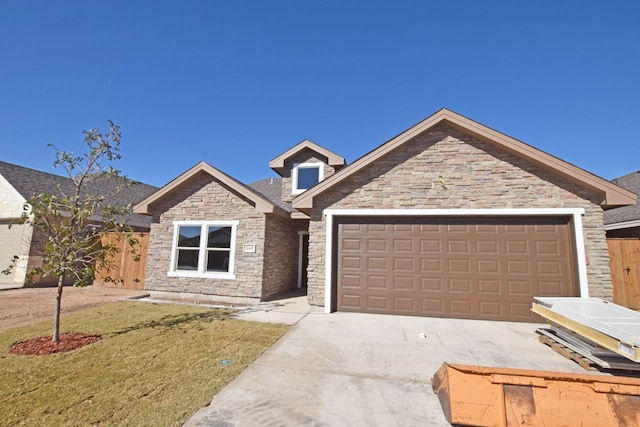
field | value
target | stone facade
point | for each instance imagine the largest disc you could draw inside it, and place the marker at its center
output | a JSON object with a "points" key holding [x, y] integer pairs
{"points": [[447, 169], [304, 156], [204, 199], [281, 254]]}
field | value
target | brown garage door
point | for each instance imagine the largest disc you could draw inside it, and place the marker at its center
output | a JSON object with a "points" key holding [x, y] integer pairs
{"points": [[473, 268]]}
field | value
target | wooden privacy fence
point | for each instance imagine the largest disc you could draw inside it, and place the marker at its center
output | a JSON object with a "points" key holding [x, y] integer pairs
{"points": [[127, 273], [624, 262]]}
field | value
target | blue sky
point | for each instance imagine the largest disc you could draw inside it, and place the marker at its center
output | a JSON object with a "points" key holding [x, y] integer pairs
{"points": [[236, 83]]}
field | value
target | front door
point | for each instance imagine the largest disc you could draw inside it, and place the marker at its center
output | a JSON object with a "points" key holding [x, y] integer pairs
{"points": [[303, 258]]}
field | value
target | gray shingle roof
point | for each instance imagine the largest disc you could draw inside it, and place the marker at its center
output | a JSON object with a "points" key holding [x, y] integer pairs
{"points": [[29, 182], [626, 213], [271, 188]]}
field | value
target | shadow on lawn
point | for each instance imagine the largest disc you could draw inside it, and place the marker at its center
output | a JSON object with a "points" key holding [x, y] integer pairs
{"points": [[177, 321]]}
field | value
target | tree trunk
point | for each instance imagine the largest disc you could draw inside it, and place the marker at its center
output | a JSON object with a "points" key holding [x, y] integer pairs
{"points": [[56, 322]]}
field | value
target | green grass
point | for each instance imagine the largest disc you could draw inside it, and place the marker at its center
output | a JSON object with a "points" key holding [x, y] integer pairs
{"points": [[157, 364]]}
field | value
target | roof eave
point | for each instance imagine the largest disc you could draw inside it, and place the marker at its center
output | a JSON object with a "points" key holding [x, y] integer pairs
{"points": [[261, 204], [333, 159], [610, 194], [623, 224]]}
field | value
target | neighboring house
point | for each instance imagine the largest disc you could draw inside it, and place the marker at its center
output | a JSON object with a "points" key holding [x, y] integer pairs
{"points": [[625, 221], [450, 218], [17, 185]]}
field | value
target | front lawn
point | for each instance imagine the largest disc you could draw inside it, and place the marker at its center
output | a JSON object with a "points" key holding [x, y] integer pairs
{"points": [[156, 365]]}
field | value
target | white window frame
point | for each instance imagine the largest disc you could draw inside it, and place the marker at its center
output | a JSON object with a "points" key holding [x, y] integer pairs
{"points": [[296, 167], [174, 272]]}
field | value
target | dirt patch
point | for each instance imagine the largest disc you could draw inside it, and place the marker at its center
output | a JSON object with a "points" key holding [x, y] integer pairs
{"points": [[44, 345], [24, 306]]}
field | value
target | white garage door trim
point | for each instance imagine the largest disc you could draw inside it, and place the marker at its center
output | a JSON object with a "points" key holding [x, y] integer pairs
{"points": [[576, 213]]}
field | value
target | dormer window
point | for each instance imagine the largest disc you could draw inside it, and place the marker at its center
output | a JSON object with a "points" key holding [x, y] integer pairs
{"points": [[306, 175]]}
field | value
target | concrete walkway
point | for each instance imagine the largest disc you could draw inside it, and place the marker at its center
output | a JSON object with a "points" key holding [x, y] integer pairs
{"points": [[345, 369]]}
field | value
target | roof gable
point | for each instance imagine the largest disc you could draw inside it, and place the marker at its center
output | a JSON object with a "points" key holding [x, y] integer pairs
{"points": [[261, 203], [611, 195], [278, 164]]}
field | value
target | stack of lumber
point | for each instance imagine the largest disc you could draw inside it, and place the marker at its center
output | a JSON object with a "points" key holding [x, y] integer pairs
{"points": [[591, 331]]}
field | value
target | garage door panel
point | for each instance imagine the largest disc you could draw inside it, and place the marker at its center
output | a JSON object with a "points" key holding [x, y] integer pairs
{"points": [[351, 281], [351, 263], [377, 263], [403, 245], [518, 267], [460, 308], [483, 268], [462, 285], [404, 265], [548, 248], [405, 304], [490, 308], [459, 265], [488, 266], [376, 245], [432, 305], [403, 283], [430, 284], [551, 267], [352, 245], [516, 247], [378, 302], [489, 287], [430, 246], [551, 288], [377, 282], [520, 311], [519, 288], [488, 247], [430, 266]]}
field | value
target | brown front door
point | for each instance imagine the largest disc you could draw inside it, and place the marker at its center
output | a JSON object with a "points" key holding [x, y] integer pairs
{"points": [[474, 268]]}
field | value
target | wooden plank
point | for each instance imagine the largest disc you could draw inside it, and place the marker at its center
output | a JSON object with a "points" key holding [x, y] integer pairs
{"points": [[578, 355], [624, 263], [127, 273], [604, 340]]}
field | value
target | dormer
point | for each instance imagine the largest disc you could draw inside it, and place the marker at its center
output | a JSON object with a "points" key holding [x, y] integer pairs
{"points": [[303, 166]]}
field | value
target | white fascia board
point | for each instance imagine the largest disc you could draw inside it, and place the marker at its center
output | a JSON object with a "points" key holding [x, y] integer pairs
{"points": [[456, 212], [621, 225]]}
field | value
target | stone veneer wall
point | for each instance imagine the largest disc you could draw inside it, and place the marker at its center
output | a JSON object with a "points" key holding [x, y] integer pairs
{"points": [[281, 254], [305, 156], [205, 199], [476, 176]]}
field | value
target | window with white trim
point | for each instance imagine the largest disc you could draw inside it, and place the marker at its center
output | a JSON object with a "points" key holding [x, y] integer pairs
{"points": [[306, 175], [203, 249]]}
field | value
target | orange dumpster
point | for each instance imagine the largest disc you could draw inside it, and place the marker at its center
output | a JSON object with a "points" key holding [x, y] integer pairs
{"points": [[487, 397]]}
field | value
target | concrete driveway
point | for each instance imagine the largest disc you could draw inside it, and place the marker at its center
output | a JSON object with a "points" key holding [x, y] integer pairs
{"points": [[345, 369]]}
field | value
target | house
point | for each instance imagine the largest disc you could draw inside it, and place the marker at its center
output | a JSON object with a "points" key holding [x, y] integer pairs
{"points": [[17, 185], [450, 218], [625, 221]]}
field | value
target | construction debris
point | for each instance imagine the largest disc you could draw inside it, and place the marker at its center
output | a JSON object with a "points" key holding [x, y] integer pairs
{"points": [[595, 322], [485, 396], [586, 353]]}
